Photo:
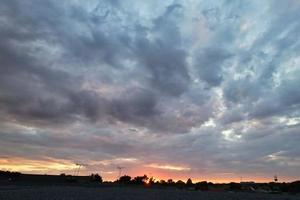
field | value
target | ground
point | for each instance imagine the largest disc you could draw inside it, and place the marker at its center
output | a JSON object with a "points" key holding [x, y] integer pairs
{"points": [[126, 193]]}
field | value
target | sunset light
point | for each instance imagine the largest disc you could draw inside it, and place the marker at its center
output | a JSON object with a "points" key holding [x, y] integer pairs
{"points": [[179, 90]]}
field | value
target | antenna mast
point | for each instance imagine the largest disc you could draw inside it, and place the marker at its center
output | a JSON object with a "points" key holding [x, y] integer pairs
{"points": [[120, 171], [79, 165]]}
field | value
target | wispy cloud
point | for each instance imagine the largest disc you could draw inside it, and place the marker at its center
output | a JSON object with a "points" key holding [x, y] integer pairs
{"points": [[168, 167]]}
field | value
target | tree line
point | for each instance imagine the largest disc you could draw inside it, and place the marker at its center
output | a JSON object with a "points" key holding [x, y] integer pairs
{"points": [[146, 181]]}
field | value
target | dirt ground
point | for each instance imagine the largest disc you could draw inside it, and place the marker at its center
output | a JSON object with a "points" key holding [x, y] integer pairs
{"points": [[126, 193]]}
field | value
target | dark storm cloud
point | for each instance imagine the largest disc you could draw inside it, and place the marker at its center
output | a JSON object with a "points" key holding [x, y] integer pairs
{"points": [[217, 80]]}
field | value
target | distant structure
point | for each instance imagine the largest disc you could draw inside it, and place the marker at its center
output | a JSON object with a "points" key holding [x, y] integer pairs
{"points": [[120, 171], [275, 178], [77, 169]]}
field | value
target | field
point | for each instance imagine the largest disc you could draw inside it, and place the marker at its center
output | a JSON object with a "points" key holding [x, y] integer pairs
{"points": [[126, 193]]}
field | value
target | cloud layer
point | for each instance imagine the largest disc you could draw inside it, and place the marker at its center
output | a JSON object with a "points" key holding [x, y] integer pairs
{"points": [[208, 87]]}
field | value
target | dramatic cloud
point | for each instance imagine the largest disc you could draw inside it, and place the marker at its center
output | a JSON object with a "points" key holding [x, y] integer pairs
{"points": [[208, 90]]}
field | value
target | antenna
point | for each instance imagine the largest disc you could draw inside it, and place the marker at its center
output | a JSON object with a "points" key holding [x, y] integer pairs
{"points": [[79, 165], [120, 170]]}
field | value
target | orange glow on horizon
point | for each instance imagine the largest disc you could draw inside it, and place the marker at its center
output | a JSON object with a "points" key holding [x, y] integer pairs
{"points": [[158, 172], [47, 165]]}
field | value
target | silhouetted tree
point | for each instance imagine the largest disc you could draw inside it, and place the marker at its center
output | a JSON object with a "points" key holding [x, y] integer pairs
{"points": [[140, 180], [170, 182], [201, 186], [96, 178], [235, 186], [294, 186], [163, 182], [180, 184], [189, 183], [151, 181], [9, 175], [124, 179]]}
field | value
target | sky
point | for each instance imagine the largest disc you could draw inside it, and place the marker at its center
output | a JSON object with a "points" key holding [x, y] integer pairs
{"points": [[171, 89]]}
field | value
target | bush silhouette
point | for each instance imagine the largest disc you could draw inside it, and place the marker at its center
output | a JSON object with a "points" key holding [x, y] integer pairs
{"points": [[9, 175], [171, 182], [235, 186], [294, 186], [151, 181], [140, 180], [180, 184], [189, 183], [201, 186], [96, 178], [125, 179]]}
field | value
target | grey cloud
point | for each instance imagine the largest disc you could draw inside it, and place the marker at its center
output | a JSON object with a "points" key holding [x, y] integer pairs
{"points": [[209, 62], [164, 57], [241, 91], [134, 106], [70, 70], [233, 115], [32, 90], [100, 145], [282, 100]]}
